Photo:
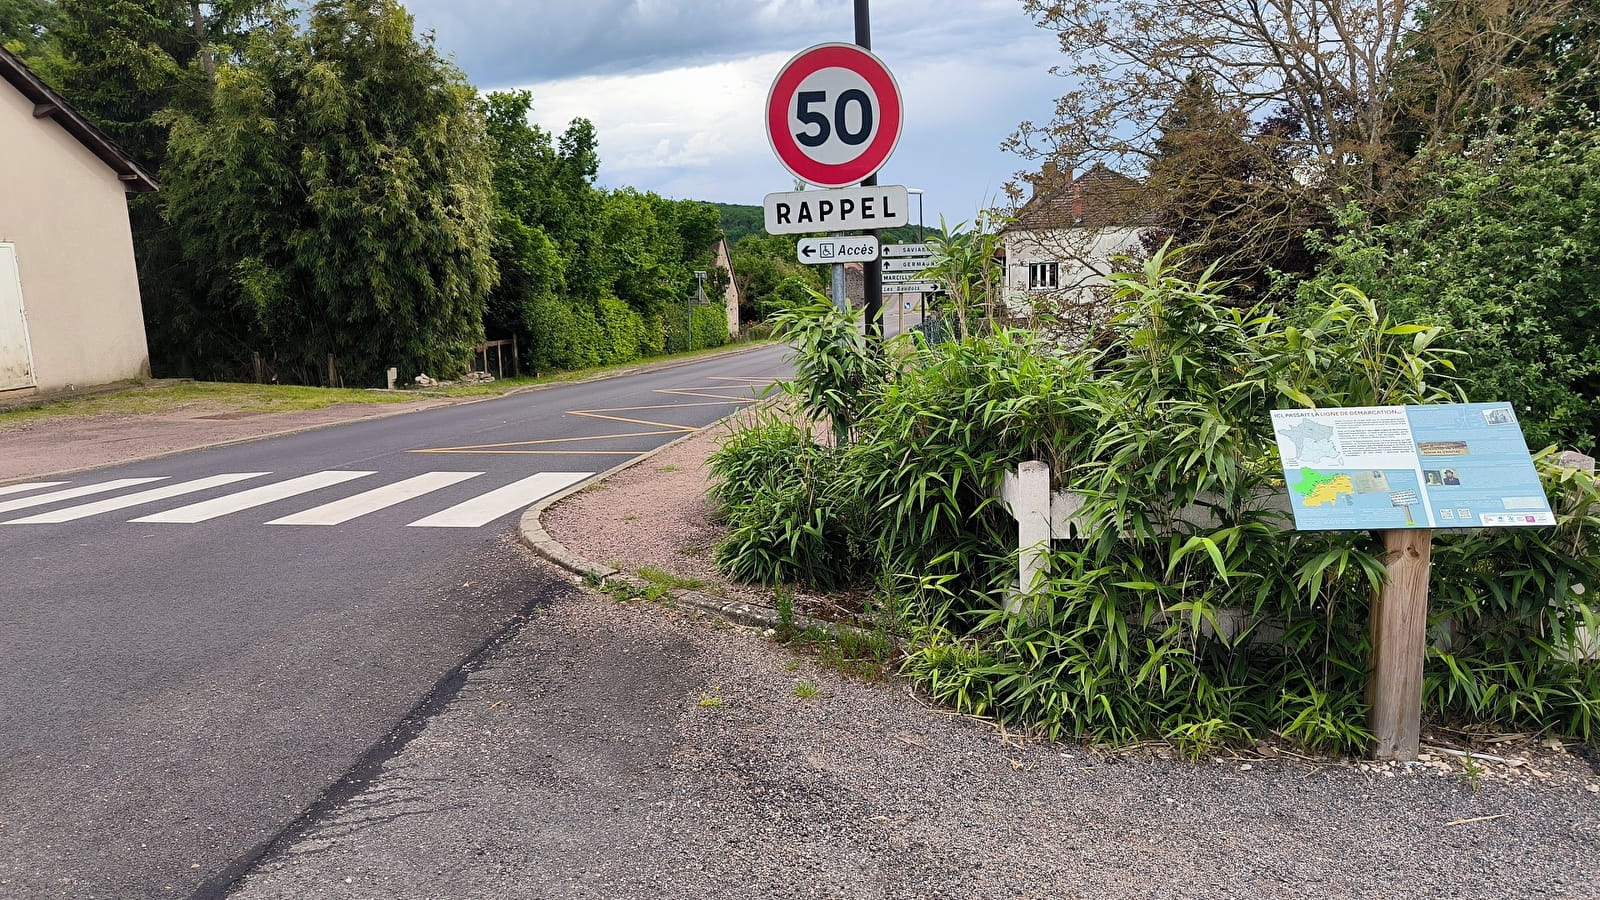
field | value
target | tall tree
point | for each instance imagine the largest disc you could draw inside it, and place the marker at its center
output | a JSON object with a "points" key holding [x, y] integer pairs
{"points": [[339, 194], [126, 62], [532, 272], [1478, 68], [1326, 64], [1221, 186], [576, 210], [27, 29]]}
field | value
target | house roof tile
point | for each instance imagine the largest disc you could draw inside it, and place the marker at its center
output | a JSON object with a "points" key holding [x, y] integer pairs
{"points": [[1099, 198]]}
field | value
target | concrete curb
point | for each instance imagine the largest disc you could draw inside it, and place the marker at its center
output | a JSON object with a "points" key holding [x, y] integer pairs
{"points": [[531, 530], [632, 370]]}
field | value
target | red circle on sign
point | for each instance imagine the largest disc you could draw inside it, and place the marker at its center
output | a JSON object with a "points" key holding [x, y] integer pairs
{"points": [[886, 96]]}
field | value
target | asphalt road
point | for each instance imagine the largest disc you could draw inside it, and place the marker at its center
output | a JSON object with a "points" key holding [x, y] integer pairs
{"points": [[189, 662]]}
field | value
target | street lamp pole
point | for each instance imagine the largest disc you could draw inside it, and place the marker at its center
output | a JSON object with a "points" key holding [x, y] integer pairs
{"points": [[922, 296], [699, 294]]}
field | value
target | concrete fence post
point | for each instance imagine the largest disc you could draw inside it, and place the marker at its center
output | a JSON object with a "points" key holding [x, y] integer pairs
{"points": [[1026, 493]]}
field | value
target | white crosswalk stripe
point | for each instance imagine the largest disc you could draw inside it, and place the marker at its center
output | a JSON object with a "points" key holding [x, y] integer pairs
{"points": [[113, 504], [30, 486], [485, 508], [207, 510], [476, 512], [341, 511], [73, 493]]}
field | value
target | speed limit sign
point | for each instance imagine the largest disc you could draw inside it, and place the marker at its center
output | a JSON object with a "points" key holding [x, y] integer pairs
{"points": [[833, 115]]}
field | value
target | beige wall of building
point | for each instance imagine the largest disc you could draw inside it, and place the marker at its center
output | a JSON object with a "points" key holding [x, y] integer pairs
{"points": [[730, 296], [1082, 257], [67, 213]]}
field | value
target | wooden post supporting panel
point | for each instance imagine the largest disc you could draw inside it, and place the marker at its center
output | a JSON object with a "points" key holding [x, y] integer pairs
{"points": [[1399, 640]]}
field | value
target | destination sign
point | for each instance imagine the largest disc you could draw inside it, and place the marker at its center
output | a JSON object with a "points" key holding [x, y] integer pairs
{"points": [[846, 209]]}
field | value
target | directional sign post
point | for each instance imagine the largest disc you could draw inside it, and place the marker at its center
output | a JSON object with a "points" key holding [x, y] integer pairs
{"points": [[890, 251], [853, 248], [907, 264], [910, 287]]}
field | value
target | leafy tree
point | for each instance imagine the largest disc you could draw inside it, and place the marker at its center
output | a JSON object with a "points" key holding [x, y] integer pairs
{"points": [[27, 30], [654, 246], [338, 198], [1477, 68], [127, 61], [1218, 186], [1501, 251], [576, 210], [1326, 65], [770, 279], [740, 221], [532, 272]]}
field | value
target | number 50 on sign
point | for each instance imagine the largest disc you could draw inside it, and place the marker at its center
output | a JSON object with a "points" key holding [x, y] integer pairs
{"points": [[834, 115]]}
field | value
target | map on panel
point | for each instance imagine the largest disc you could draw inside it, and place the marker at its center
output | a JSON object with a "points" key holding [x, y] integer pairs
{"points": [[1462, 465]]}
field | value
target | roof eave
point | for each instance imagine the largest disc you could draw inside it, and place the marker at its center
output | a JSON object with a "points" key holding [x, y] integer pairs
{"points": [[49, 104]]}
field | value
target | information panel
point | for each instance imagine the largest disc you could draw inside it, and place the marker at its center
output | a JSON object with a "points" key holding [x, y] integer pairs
{"points": [[1462, 465]]}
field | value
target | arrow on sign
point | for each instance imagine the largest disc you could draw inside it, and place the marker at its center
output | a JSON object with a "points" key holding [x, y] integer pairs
{"points": [[841, 249]]}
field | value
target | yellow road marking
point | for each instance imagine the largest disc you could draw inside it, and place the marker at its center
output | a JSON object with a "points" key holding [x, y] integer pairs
{"points": [[610, 409], [593, 415], [668, 428], [538, 452], [723, 397], [598, 437]]}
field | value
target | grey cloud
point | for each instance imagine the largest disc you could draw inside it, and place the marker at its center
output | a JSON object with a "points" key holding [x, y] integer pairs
{"points": [[509, 42], [505, 42]]}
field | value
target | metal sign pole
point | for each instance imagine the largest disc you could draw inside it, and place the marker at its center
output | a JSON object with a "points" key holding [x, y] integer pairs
{"points": [[872, 272], [841, 302]]}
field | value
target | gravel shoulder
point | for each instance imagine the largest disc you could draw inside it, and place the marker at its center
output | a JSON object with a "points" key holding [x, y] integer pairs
{"points": [[632, 750], [628, 750]]}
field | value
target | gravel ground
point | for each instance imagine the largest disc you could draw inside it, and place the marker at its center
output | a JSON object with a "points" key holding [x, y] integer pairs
{"points": [[642, 750], [625, 751]]}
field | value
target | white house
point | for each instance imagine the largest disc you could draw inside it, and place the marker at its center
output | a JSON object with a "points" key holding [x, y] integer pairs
{"points": [[69, 294], [1061, 245]]}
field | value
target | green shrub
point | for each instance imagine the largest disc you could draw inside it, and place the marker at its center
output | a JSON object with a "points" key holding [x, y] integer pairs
{"points": [[1215, 626], [1508, 607], [937, 444], [710, 326], [787, 522], [1500, 249]]}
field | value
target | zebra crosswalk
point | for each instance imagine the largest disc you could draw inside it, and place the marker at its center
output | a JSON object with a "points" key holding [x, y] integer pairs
{"points": [[71, 503]]}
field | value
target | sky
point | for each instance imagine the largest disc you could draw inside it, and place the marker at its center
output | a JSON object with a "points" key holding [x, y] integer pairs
{"points": [[676, 88]]}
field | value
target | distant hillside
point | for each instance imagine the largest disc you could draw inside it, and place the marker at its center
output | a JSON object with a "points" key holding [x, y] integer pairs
{"points": [[739, 221]]}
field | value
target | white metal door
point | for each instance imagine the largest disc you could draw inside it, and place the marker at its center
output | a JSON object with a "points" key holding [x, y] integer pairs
{"points": [[16, 354]]}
